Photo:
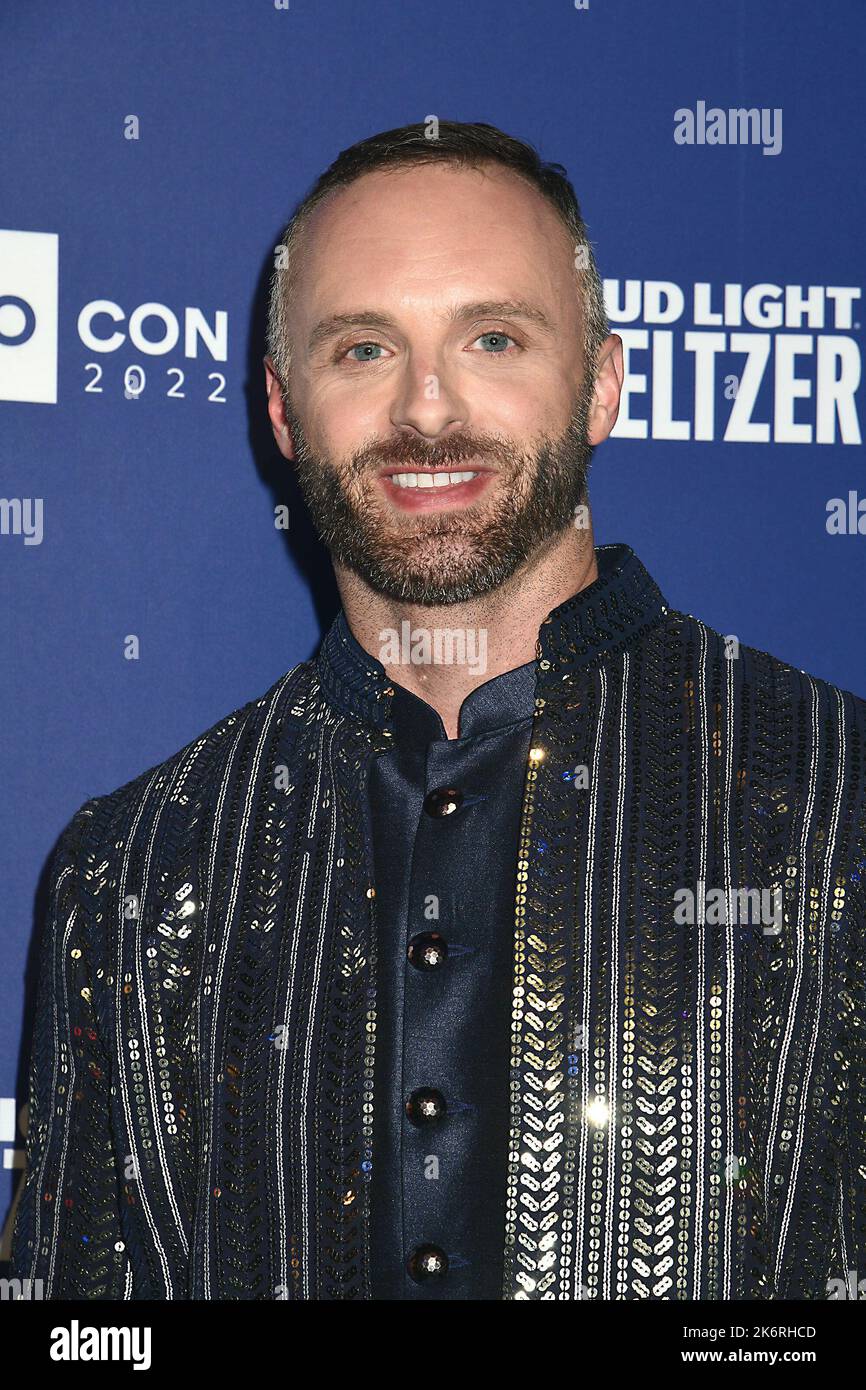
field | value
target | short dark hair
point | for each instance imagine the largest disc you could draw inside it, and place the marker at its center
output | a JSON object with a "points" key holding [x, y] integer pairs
{"points": [[464, 144]]}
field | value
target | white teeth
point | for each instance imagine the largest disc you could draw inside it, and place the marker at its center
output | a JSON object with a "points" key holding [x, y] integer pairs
{"points": [[430, 479]]}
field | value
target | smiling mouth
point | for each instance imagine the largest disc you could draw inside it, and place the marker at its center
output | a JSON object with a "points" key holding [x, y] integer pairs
{"points": [[440, 479], [434, 489]]}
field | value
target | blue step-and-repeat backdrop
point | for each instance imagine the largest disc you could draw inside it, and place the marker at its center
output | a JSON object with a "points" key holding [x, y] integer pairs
{"points": [[150, 155]]}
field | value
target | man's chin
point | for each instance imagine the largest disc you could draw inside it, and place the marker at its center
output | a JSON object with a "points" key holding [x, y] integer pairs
{"points": [[442, 582]]}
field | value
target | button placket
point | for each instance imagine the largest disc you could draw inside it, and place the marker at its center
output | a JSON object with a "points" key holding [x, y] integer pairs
{"points": [[455, 827], [427, 1143]]}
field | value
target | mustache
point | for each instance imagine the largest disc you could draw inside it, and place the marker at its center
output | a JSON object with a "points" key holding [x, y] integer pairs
{"points": [[448, 454]]}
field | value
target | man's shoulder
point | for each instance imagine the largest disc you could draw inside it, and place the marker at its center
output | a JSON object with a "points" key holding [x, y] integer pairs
{"points": [[186, 778], [776, 682]]}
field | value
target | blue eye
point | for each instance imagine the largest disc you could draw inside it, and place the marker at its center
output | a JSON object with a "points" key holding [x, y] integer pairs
{"points": [[365, 347], [500, 341]]}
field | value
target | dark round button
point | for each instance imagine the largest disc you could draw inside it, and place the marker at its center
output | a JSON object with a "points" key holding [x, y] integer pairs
{"points": [[443, 801], [427, 1263], [425, 1105], [427, 950]]}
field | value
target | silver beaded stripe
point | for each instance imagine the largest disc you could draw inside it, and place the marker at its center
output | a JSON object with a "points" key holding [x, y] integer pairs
{"points": [[614, 1033], [283, 1166], [799, 947], [730, 1118], [282, 1163], [584, 994], [305, 1221], [207, 1074], [181, 774], [251, 782], [802, 1110], [840, 1227], [701, 990], [58, 1034], [134, 1007]]}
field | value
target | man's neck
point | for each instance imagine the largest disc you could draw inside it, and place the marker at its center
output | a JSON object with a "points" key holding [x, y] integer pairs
{"points": [[485, 636]]}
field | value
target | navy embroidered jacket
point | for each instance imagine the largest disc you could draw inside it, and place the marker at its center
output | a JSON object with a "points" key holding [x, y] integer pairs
{"points": [[687, 1072]]}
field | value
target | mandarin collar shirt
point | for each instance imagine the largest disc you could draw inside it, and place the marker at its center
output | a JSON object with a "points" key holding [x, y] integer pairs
{"points": [[445, 816]]}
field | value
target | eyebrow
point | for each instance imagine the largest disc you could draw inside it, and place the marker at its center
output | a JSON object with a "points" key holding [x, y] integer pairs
{"points": [[328, 327]]}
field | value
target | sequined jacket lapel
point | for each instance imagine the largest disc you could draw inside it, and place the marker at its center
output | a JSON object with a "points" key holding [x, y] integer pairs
{"points": [[688, 1101]]}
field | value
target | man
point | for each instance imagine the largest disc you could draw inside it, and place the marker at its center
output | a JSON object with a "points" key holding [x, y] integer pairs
{"points": [[535, 972]]}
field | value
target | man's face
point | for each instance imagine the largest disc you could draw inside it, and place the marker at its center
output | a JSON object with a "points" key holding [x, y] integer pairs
{"points": [[436, 330]]}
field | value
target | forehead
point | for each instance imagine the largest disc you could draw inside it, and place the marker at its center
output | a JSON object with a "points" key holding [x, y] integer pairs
{"points": [[432, 229]]}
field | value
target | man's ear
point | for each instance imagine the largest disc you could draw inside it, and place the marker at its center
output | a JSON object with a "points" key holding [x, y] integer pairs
{"points": [[277, 409], [609, 373]]}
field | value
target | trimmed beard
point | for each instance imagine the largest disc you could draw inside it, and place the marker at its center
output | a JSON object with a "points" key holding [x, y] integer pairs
{"points": [[455, 555]]}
